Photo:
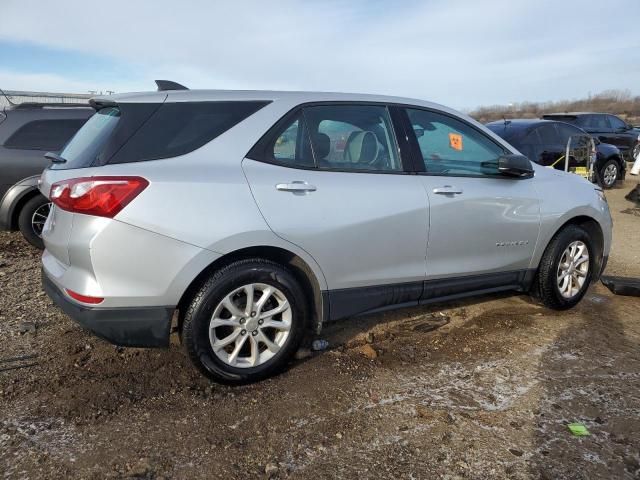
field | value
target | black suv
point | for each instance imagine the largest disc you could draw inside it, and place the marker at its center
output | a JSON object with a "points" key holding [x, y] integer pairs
{"points": [[27, 132], [545, 142], [605, 127]]}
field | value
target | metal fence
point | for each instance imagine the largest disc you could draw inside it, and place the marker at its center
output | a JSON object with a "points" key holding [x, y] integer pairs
{"points": [[17, 97]]}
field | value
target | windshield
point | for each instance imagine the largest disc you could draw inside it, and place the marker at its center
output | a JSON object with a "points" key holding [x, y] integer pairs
{"points": [[88, 143]]}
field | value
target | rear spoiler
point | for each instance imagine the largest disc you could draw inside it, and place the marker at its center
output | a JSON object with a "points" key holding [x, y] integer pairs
{"points": [[163, 85], [98, 103]]}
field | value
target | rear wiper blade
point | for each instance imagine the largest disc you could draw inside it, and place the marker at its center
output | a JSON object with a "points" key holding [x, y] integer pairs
{"points": [[55, 158]]}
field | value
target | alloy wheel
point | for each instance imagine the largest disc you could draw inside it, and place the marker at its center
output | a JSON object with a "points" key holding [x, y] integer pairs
{"points": [[39, 218], [573, 269], [610, 175], [250, 325]]}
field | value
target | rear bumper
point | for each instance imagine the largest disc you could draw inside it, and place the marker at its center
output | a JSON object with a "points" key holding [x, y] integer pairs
{"points": [[127, 327]]}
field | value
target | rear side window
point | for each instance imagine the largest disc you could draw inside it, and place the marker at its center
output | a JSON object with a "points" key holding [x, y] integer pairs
{"points": [[353, 137], [49, 135], [179, 128]]}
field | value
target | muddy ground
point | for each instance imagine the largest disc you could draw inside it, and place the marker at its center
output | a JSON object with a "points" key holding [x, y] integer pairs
{"points": [[474, 389]]}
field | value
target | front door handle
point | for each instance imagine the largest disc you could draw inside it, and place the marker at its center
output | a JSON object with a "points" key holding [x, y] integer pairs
{"points": [[296, 186], [447, 190]]}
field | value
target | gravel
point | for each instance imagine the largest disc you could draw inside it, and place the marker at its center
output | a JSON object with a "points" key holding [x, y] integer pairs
{"points": [[477, 389]]}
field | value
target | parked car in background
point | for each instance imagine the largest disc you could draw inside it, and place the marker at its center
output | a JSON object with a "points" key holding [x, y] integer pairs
{"points": [[636, 149], [27, 132], [257, 216], [605, 127], [545, 142]]}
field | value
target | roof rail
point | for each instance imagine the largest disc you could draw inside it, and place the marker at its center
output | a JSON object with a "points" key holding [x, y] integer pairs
{"points": [[169, 85], [26, 105]]}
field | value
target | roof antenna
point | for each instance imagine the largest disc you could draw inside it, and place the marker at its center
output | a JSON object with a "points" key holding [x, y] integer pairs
{"points": [[506, 122], [169, 85]]}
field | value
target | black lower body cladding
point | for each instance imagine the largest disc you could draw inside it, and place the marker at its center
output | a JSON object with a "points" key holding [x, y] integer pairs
{"points": [[126, 327]]}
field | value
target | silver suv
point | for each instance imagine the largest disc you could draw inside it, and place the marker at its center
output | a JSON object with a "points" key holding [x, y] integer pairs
{"points": [[247, 219]]}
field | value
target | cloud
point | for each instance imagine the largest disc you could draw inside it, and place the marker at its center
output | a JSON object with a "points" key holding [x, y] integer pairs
{"points": [[460, 53]]}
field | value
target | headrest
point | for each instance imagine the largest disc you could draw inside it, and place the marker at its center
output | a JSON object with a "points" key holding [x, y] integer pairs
{"points": [[361, 147], [321, 145]]}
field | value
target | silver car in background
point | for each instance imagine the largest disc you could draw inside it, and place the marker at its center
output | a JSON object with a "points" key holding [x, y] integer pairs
{"points": [[247, 219]]}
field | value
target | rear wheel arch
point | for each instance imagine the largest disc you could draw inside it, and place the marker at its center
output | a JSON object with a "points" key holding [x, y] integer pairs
{"points": [[303, 273], [19, 204]]}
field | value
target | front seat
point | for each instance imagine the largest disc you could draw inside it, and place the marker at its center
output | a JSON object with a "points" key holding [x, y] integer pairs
{"points": [[321, 149], [361, 148]]}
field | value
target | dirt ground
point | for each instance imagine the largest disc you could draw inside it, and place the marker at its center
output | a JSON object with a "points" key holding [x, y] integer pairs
{"points": [[478, 389]]}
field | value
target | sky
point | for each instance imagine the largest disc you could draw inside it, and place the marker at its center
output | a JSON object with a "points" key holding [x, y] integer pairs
{"points": [[462, 53]]}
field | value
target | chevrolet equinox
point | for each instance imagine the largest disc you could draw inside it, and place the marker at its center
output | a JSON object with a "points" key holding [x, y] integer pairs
{"points": [[247, 219]]}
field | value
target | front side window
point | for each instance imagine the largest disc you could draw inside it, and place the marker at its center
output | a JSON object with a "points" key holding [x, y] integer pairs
{"points": [[616, 123], [598, 122], [548, 134], [567, 131], [352, 137], [44, 135], [451, 147]]}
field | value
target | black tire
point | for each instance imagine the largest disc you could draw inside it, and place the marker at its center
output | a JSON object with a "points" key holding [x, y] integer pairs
{"points": [[546, 285], [603, 181], [195, 325], [26, 220]]}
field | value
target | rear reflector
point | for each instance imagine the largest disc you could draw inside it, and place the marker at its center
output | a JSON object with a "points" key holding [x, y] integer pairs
{"points": [[100, 196], [83, 298]]}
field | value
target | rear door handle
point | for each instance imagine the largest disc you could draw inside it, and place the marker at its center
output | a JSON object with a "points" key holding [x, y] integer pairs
{"points": [[447, 190], [296, 186]]}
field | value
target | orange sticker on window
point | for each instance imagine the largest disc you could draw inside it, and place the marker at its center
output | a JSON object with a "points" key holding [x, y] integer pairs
{"points": [[455, 141]]}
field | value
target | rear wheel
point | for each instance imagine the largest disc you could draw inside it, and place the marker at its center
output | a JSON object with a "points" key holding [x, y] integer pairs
{"points": [[245, 322], [566, 268], [32, 218]]}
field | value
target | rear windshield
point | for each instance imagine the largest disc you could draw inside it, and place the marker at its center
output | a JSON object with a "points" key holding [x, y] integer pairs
{"points": [[140, 132], [90, 139]]}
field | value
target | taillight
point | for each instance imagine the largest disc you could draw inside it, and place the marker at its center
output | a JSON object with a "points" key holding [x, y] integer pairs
{"points": [[101, 196], [84, 298]]}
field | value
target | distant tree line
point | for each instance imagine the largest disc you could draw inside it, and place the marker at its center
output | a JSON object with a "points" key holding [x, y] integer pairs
{"points": [[618, 102]]}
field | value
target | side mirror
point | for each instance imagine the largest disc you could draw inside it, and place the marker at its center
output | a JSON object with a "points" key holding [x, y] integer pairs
{"points": [[515, 166]]}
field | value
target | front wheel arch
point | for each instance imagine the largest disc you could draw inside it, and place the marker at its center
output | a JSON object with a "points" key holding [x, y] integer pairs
{"points": [[593, 228]]}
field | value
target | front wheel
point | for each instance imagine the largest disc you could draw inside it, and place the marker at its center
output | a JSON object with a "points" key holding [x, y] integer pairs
{"points": [[32, 218], [566, 268], [245, 322], [609, 173]]}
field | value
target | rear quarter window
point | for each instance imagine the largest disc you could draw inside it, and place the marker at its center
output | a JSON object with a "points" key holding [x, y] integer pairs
{"points": [[179, 128]]}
